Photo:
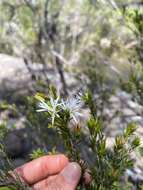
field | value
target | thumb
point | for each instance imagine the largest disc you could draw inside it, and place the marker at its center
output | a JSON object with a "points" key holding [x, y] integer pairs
{"points": [[71, 176], [67, 179]]}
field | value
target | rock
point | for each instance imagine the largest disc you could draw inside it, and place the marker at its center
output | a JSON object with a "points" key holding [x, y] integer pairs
{"points": [[128, 112], [17, 143], [18, 162], [13, 145]]}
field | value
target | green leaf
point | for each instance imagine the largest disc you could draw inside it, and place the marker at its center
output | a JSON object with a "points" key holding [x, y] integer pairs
{"points": [[37, 153], [131, 128]]}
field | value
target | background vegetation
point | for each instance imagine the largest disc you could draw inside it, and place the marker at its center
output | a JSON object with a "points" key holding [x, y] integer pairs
{"points": [[91, 51]]}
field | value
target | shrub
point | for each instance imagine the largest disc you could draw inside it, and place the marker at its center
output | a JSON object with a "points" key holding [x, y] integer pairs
{"points": [[107, 166]]}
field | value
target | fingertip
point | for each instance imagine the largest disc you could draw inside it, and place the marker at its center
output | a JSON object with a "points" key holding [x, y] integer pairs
{"points": [[63, 159], [58, 162], [72, 174]]}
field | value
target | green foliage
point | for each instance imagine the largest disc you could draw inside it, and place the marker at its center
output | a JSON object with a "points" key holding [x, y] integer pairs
{"points": [[135, 83], [37, 153], [135, 15], [4, 106], [3, 131], [108, 165]]}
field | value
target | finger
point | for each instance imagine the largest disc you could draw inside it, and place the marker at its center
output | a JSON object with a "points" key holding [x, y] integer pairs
{"points": [[41, 168], [68, 179], [44, 183]]}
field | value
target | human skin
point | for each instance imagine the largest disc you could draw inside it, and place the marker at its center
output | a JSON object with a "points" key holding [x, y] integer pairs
{"points": [[50, 173]]}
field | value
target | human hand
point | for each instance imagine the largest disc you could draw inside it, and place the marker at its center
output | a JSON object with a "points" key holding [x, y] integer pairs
{"points": [[50, 173]]}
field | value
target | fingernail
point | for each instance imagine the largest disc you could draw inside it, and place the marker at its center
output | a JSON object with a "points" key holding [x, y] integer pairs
{"points": [[72, 173]]}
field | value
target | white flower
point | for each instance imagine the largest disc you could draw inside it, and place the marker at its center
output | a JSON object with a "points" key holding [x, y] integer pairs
{"points": [[51, 107], [43, 107], [73, 105], [54, 106]]}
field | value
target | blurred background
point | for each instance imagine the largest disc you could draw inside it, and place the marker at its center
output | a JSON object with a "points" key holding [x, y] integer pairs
{"points": [[74, 45]]}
